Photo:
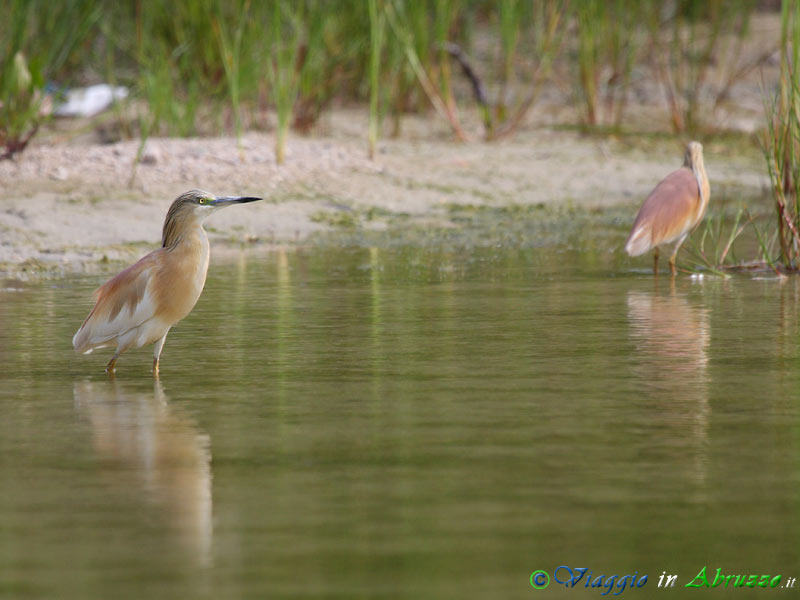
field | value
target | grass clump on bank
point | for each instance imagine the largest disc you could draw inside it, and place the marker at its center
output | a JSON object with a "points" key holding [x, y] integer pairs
{"points": [[210, 67], [781, 142]]}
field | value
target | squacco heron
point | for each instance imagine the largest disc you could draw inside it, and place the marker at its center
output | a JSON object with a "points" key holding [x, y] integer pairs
{"points": [[140, 305], [673, 208]]}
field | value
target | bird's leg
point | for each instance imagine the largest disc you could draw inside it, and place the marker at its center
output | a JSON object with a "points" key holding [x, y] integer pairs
{"points": [[157, 352], [675, 254], [655, 261], [110, 367]]}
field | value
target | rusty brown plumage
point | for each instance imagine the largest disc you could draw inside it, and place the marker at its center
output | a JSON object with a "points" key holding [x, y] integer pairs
{"points": [[125, 289], [673, 208]]}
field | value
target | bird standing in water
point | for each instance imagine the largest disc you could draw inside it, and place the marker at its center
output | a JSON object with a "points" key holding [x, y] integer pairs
{"points": [[673, 208], [140, 305]]}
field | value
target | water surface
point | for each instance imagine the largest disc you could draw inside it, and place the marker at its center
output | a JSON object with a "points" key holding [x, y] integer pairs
{"points": [[396, 422]]}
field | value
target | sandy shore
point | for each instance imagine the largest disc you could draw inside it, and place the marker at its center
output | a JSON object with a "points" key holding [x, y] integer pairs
{"points": [[66, 206]]}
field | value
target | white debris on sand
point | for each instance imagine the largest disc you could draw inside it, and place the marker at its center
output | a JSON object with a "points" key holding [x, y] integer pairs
{"points": [[89, 101]]}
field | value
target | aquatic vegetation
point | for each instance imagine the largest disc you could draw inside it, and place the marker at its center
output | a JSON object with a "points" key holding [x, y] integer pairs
{"points": [[608, 45], [28, 59], [781, 140], [686, 43], [712, 247], [207, 67], [376, 29]]}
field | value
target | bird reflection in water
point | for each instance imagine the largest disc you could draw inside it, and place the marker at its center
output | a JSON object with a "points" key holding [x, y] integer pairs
{"points": [[155, 449], [672, 338]]}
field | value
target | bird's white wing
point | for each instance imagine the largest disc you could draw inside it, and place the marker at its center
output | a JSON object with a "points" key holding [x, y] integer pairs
{"points": [[123, 302]]}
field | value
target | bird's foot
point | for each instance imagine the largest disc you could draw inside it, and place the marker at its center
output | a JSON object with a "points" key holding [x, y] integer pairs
{"points": [[110, 367], [155, 367]]}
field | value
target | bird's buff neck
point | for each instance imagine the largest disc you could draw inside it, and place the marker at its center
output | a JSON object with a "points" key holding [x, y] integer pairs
{"points": [[699, 171], [179, 227]]}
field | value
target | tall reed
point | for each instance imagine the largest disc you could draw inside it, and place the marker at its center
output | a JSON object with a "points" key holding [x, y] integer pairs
{"points": [[781, 140], [29, 58], [685, 41], [540, 33], [445, 16], [403, 34], [510, 21], [591, 19], [376, 31], [285, 40], [210, 66], [321, 60], [608, 42], [230, 45], [179, 64]]}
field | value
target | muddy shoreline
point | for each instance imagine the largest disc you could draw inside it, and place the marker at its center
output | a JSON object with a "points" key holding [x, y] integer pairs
{"points": [[71, 207]]}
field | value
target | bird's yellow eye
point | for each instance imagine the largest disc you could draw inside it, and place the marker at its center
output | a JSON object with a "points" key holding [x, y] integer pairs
{"points": [[203, 200]]}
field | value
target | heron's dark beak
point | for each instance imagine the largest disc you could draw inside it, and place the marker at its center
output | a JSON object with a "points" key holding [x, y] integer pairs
{"points": [[228, 200]]}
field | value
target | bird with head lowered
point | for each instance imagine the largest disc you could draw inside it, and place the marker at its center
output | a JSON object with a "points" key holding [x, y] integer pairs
{"points": [[673, 208], [139, 305]]}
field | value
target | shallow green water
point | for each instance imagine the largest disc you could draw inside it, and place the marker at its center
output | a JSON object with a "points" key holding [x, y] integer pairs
{"points": [[414, 423]]}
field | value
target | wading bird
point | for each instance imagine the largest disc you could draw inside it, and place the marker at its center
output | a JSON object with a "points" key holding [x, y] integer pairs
{"points": [[140, 305], [672, 209]]}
